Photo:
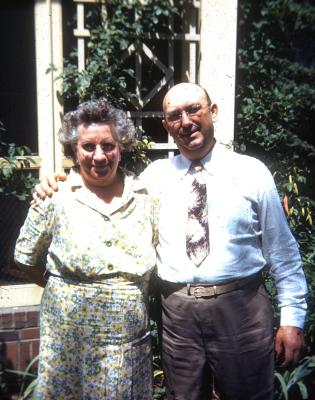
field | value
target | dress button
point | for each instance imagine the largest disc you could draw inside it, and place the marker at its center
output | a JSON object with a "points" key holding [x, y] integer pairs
{"points": [[110, 267], [108, 243]]}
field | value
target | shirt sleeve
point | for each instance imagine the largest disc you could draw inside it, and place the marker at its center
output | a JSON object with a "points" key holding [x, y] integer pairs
{"points": [[35, 235], [281, 252], [152, 177]]}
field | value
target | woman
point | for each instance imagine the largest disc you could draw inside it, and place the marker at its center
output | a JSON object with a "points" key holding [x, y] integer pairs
{"points": [[95, 238]]}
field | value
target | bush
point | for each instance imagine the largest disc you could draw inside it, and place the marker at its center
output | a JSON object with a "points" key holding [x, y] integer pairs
{"points": [[275, 118], [15, 179]]}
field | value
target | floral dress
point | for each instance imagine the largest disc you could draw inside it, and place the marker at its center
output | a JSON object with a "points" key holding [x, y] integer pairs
{"points": [[95, 339]]}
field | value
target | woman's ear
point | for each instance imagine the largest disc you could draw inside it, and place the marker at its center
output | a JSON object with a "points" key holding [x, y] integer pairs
{"points": [[74, 147]]}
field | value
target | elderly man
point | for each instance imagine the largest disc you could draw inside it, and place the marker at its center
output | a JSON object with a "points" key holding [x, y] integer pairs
{"points": [[221, 224]]}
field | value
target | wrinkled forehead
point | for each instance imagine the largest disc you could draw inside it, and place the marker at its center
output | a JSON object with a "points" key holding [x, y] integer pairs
{"points": [[96, 130], [182, 96]]}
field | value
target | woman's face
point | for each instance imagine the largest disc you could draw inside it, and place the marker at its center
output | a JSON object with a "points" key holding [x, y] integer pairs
{"points": [[97, 153]]}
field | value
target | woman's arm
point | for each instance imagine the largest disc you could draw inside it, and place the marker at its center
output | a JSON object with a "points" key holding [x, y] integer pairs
{"points": [[33, 243]]}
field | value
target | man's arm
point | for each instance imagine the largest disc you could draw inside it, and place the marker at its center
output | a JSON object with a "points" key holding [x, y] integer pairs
{"points": [[48, 185], [286, 269], [36, 274], [281, 252]]}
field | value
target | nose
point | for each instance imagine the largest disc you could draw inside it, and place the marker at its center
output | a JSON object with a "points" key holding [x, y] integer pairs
{"points": [[99, 154], [185, 118]]}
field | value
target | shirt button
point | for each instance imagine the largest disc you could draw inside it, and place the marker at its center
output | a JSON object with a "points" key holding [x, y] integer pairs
{"points": [[106, 218], [110, 267], [108, 243]]}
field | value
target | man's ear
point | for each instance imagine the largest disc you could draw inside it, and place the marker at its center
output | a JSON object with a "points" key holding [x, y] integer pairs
{"points": [[164, 123], [166, 127], [214, 112]]}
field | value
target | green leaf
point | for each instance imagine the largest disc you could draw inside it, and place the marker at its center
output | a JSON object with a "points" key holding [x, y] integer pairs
{"points": [[24, 374], [29, 390], [283, 385], [303, 390], [51, 68]]}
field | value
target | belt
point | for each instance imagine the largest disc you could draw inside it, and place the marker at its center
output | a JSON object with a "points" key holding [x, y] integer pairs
{"points": [[75, 279], [208, 290]]}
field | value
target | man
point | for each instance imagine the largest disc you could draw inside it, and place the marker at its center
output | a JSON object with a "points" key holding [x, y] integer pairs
{"points": [[221, 224]]}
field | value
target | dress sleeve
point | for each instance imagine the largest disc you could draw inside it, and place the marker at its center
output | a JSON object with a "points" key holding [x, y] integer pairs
{"points": [[282, 254], [35, 235]]}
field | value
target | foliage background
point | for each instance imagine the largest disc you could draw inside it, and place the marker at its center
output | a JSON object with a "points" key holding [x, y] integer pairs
{"points": [[275, 114], [15, 180], [105, 73], [275, 122]]}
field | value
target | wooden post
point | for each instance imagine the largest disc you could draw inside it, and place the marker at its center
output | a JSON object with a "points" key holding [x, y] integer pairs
{"points": [[218, 60]]}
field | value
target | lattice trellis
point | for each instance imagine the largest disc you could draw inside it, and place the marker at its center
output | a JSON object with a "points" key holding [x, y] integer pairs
{"points": [[140, 48], [141, 112]]}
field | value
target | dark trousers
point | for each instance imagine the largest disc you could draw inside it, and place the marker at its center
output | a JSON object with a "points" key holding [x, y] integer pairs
{"points": [[227, 339]]}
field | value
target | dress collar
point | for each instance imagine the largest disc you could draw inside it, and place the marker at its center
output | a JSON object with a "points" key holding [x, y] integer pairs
{"points": [[132, 185]]}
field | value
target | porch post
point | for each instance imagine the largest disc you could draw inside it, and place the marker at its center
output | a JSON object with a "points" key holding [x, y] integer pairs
{"points": [[48, 36], [218, 59]]}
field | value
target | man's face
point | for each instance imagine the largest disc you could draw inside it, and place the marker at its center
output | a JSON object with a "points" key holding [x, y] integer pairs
{"points": [[189, 120]]}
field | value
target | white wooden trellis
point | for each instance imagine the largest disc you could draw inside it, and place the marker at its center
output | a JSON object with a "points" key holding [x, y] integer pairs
{"points": [[213, 68], [141, 49]]}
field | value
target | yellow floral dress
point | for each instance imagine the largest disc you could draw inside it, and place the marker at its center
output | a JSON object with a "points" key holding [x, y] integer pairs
{"points": [[95, 339]]}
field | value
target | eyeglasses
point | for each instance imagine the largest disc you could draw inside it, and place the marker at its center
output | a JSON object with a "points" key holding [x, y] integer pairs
{"points": [[190, 111]]}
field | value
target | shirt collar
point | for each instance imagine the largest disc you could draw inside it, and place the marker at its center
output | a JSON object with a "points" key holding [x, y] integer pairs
{"points": [[183, 164], [211, 161]]}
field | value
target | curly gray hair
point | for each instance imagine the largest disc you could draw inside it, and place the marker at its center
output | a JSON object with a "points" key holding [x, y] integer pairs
{"points": [[96, 111]]}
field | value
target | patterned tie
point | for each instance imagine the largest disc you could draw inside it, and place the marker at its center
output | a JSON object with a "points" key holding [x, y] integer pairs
{"points": [[197, 235]]}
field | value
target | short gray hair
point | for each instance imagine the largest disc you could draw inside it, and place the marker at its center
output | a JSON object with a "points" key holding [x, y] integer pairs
{"points": [[96, 112]]}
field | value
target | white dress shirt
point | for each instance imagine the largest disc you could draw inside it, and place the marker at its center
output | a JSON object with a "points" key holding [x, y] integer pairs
{"points": [[247, 225]]}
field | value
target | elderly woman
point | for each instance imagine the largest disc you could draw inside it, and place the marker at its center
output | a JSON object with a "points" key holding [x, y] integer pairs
{"points": [[94, 240]]}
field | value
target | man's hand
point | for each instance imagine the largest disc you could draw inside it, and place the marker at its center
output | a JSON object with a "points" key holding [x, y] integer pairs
{"points": [[289, 345], [48, 185]]}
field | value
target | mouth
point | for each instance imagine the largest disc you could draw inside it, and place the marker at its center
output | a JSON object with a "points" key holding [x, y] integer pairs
{"points": [[188, 136], [101, 168], [189, 132]]}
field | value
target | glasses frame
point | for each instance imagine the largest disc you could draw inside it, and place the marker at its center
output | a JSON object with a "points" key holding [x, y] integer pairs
{"points": [[179, 115]]}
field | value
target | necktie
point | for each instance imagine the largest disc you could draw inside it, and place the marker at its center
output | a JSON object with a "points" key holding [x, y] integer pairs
{"points": [[197, 235]]}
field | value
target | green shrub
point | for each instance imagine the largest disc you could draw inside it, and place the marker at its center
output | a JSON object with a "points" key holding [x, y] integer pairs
{"points": [[275, 122], [15, 178]]}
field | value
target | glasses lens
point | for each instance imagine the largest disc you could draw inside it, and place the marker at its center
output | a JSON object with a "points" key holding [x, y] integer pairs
{"points": [[189, 111], [174, 117], [192, 110]]}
